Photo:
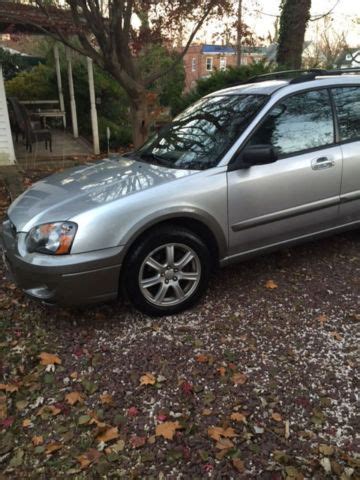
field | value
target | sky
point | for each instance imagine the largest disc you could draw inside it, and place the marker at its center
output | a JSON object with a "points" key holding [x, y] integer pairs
{"points": [[259, 15]]}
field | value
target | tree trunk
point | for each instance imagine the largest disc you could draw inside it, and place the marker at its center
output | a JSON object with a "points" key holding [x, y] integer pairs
{"points": [[294, 18], [140, 120]]}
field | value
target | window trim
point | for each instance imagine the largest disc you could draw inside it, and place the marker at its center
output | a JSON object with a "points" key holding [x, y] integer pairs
{"points": [[224, 66], [212, 64], [339, 141], [193, 64], [263, 119]]}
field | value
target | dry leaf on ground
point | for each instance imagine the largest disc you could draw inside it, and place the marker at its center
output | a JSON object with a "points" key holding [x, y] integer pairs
{"points": [[106, 399], [239, 378], [88, 457], [271, 284], [217, 432], [147, 379], [238, 417], [53, 447], [37, 440], [10, 388], [73, 397], [238, 464], [276, 416], [167, 429], [109, 434], [49, 359]]}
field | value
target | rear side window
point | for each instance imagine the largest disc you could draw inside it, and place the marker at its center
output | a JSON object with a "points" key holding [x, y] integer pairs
{"points": [[347, 101], [301, 122]]}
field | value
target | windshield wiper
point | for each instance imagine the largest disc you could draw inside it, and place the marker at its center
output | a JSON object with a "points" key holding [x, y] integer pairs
{"points": [[157, 159]]}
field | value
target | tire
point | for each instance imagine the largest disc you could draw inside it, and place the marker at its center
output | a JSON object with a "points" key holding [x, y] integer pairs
{"points": [[167, 271]]}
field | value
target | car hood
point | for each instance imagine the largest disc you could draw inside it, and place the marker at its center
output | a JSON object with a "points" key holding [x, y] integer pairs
{"points": [[63, 195]]}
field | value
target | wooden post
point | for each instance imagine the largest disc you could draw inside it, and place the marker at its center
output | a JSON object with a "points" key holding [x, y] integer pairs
{"points": [[59, 82], [239, 33], [94, 119], [72, 95]]}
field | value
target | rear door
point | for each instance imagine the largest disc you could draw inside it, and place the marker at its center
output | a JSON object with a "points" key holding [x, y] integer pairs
{"points": [[300, 193], [347, 103]]}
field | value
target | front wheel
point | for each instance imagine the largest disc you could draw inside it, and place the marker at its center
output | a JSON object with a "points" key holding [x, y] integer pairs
{"points": [[167, 271]]}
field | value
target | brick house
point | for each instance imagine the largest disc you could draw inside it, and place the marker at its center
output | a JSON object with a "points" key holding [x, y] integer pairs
{"points": [[202, 60]]}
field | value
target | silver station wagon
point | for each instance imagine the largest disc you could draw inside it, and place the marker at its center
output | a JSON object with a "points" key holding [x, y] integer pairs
{"points": [[243, 171]]}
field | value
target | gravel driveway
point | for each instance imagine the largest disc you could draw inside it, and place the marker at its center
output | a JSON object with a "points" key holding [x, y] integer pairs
{"points": [[260, 380]]}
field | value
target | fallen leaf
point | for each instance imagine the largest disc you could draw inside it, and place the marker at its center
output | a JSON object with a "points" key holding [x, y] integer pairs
{"points": [[201, 358], [336, 335], [73, 397], [49, 359], [26, 423], [116, 447], [84, 419], [238, 417], [88, 458], [224, 444], [322, 319], [137, 442], [238, 464], [147, 379], [37, 440], [206, 412], [217, 432], [276, 416], [222, 371], [326, 450], [239, 378], [271, 284], [3, 408], [21, 405], [10, 388], [46, 409], [167, 429], [109, 434], [106, 399], [133, 412], [53, 447]]}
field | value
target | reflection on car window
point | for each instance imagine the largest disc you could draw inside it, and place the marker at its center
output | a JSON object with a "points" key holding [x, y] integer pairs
{"points": [[347, 101], [199, 136], [298, 123]]}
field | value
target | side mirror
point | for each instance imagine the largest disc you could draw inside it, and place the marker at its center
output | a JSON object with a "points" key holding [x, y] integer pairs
{"points": [[254, 155]]}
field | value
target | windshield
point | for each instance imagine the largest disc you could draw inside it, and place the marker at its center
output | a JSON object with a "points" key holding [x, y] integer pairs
{"points": [[201, 135]]}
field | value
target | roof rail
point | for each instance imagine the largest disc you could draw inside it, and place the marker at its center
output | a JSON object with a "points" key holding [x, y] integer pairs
{"points": [[299, 76]]}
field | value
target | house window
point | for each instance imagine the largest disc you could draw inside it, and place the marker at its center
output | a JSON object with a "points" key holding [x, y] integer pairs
{"points": [[222, 63], [209, 64], [193, 65]]}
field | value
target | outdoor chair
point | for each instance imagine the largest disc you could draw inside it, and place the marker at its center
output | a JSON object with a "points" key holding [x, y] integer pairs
{"points": [[31, 131], [34, 134], [16, 118]]}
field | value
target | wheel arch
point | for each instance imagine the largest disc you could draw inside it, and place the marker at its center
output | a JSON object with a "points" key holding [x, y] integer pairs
{"points": [[203, 225]]}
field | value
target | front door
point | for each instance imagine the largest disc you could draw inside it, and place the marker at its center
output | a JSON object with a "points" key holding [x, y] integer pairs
{"points": [[298, 194], [347, 102]]}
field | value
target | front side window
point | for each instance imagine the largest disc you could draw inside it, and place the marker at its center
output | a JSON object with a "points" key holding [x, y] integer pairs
{"points": [[209, 64], [347, 101], [193, 64], [201, 135], [301, 122]]}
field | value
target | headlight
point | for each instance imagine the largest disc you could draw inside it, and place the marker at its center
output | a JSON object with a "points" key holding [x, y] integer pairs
{"points": [[51, 238]]}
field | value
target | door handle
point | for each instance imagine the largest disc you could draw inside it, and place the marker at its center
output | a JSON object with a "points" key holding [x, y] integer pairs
{"points": [[322, 163]]}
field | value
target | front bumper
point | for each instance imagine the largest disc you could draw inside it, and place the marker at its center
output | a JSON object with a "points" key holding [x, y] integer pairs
{"points": [[67, 280]]}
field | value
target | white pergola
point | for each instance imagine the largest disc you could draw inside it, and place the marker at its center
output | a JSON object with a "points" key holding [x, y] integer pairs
{"points": [[94, 119]]}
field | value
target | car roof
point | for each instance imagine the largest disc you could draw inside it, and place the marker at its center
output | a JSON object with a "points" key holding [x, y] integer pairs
{"points": [[268, 87]]}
